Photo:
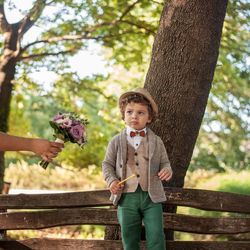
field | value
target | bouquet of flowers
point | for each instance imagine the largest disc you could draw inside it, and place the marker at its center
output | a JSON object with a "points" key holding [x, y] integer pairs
{"points": [[68, 127]]}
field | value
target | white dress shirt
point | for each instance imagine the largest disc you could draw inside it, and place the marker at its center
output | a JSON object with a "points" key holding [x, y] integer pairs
{"points": [[136, 140]]}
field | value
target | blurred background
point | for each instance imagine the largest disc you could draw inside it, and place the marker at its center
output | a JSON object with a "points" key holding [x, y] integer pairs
{"points": [[110, 58]]}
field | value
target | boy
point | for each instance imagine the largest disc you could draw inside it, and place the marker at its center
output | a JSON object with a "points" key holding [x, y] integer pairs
{"points": [[138, 155]]}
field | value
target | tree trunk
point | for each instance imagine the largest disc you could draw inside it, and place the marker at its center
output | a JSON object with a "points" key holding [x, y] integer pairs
{"points": [[184, 57], [7, 73], [12, 34], [180, 75]]}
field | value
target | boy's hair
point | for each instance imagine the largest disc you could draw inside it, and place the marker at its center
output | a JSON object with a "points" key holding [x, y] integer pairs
{"points": [[136, 98]]}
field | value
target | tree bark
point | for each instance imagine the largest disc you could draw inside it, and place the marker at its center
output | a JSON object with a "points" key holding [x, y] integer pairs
{"points": [[12, 34], [7, 73], [180, 74]]}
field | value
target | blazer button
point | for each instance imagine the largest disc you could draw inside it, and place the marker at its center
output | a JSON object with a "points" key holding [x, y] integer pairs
{"points": [[137, 164], [120, 165], [137, 175], [136, 153]]}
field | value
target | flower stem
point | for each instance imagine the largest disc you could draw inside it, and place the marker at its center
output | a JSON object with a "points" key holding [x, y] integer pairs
{"points": [[44, 164]]}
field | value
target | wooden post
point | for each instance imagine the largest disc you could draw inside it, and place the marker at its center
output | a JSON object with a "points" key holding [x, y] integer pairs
{"points": [[6, 188]]}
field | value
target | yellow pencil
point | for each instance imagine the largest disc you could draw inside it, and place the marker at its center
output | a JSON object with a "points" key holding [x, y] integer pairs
{"points": [[131, 176]]}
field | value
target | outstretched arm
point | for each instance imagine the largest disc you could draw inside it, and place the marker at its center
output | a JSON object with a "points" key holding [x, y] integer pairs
{"points": [[44, 148]]}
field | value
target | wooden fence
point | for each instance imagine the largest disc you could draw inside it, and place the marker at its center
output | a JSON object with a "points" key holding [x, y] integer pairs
{"points": [[38, 211]]}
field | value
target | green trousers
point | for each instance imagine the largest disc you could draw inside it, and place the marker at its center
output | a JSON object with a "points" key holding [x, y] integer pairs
{"points": [[133, 208]]}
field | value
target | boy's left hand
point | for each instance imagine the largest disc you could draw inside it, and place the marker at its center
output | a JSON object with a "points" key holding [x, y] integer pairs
{"points": [[165, 174]]}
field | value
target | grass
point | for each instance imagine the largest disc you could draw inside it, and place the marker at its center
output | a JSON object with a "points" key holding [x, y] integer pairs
{"points": [[75, 232], [24, 176], [230, 181]]}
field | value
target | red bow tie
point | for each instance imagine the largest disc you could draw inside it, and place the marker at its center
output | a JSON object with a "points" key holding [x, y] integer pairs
{"points": [[134, 133]]}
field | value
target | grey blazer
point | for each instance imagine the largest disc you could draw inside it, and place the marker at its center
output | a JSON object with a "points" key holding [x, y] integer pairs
{"points": [[114, 164]]}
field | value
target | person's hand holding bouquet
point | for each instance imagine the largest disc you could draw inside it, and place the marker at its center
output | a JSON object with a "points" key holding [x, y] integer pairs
{"points": [[68, 127]]}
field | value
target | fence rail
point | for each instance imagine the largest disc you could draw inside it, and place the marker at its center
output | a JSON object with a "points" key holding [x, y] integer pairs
{"points": [[66, 244], [37, 211], [196, 198]]}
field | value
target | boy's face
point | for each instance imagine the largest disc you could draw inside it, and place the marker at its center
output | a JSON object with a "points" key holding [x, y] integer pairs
{"points": [[136, 115]]}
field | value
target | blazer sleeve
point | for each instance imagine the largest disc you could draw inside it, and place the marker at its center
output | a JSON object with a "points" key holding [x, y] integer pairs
{"points": [[109, 163]]}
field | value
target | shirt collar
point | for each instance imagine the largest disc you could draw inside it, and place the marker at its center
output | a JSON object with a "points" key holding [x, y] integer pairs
{"points": [[129, 129]]}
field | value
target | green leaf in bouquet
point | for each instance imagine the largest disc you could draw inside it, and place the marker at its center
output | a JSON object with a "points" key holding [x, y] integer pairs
{"points": [[71, 138], [53, 125]]}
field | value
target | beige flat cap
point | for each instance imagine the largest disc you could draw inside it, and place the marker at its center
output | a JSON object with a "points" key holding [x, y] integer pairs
{"points": [[143, 92]]}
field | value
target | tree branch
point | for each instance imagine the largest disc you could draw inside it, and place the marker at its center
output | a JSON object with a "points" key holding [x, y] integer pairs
{"points": [[28, 21], [56, 39], [161, 3], [73, 38], [113, 23], [87, 34], [29, 57], [129, 8], [233, 49], [4, 25], [139, 26], [97, 38], [99, 92]]}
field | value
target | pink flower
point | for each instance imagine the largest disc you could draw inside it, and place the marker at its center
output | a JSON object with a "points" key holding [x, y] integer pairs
{"points": [[66, 123], [77, 131], [58, 117], [68, 127]]}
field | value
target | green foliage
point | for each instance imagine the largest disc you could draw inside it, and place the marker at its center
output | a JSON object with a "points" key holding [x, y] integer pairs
{"points": [[70, 94], [123, 26]]}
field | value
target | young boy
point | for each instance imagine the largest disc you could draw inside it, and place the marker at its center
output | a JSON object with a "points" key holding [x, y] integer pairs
{"points": [[139, 155]]}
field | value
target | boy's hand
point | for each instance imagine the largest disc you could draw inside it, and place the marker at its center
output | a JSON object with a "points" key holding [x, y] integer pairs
{"points": [[115, 188], [165, 174]]}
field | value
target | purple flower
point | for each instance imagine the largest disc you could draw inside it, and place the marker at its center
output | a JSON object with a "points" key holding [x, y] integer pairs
{"points": [[75, 122], [58, 117], [66, 123], [77, 131], [68, 127]]}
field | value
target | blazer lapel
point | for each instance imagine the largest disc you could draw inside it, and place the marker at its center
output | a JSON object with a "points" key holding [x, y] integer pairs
{"points": [[151, 143], [123, 145]]}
